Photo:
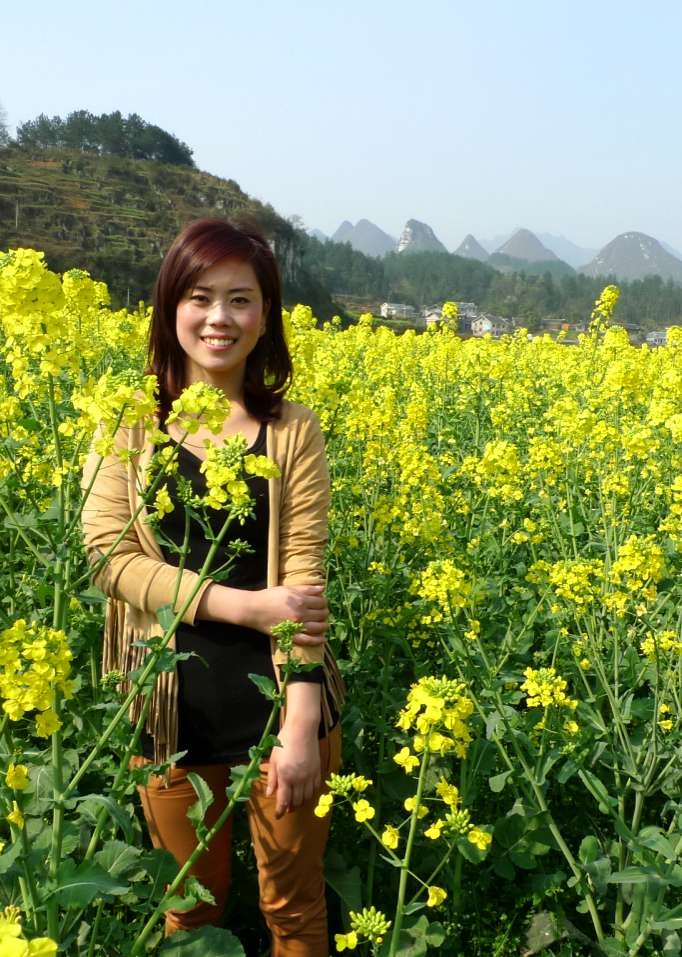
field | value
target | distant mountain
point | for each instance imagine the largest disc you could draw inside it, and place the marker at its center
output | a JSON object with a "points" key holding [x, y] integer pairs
{"points": [[417, 237], [490, 245], [526, 246], [344, 234], [318, 234], [470, 248], [574, 255], [365, 237], [671, 249], [634, 256], [507, 264]]}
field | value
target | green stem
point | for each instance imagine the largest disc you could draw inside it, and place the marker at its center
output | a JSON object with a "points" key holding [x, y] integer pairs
{"points": [[371, 862], [404, 868], [95, 928]]}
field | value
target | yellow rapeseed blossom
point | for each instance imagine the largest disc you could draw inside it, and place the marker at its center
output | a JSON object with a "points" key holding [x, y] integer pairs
{"points": [[16, 816], [324, 805], [14, 944], [545, 689], [17, 777], [436, 896], [390, 837], [406, 760], [363, 810]]}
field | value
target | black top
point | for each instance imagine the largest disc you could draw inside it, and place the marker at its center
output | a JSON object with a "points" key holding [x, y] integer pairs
{"points": [[221, 713]]}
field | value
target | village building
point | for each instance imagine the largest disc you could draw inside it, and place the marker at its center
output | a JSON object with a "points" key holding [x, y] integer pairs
{"points": [[397, 310]]}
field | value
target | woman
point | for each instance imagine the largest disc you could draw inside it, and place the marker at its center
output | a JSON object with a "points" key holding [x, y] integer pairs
{"points": [[218, 319]]}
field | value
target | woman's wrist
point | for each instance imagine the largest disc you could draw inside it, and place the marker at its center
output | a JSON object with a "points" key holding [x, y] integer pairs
{"points": [[231, 605], [303, 707]]}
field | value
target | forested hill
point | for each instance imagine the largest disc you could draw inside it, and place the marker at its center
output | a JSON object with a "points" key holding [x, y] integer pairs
{"points": [[115, 216]]}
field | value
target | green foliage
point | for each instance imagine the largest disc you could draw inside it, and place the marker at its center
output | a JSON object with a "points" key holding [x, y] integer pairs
{"points": [[110, 134]]}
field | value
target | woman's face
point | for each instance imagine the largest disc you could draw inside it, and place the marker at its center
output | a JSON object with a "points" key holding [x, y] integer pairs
{"points": [[219, 321]]}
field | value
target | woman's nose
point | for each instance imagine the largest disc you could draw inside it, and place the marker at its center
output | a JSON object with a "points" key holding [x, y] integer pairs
{"points": [[219, 313]]}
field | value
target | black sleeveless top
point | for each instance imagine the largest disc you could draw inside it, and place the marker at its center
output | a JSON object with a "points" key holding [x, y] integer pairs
{"points": [[221, 713]]}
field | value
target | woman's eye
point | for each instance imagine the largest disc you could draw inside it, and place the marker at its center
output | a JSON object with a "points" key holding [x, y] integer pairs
{"points": [[240, 300], [198, 297]]}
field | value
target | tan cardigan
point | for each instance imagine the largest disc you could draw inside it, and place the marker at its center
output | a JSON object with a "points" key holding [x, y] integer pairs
{"points": [[137, 580]]}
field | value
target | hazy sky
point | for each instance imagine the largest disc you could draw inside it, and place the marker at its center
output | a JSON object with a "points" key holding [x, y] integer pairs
{"points": [[473, 117]]}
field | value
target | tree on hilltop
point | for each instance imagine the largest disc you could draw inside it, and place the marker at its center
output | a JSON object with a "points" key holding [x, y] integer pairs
{"points": [[110, 134]]}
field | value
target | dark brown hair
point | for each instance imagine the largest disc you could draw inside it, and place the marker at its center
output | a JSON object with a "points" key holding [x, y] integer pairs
{"points": [[199, 246]]}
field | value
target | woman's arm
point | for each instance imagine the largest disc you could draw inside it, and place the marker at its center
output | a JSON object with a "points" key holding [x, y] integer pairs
{"points": [[125, 569], [294, 772]]}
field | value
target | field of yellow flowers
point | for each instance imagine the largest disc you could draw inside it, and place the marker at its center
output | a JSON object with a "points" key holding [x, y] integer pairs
{"points": [[506, 535]]}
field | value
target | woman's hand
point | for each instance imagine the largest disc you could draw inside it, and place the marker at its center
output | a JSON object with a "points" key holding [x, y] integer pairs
{"points": [[267, 607], [294, 769], [294, 773]]}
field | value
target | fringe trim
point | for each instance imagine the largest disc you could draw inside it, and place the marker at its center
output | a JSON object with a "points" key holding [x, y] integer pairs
{"points": [[121, 654]]}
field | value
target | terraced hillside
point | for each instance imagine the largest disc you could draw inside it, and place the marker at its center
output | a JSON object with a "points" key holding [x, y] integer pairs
{"points": [[114, 217]]}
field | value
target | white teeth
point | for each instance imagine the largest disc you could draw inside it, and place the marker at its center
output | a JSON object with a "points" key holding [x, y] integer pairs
{"points": [[214, 341]]}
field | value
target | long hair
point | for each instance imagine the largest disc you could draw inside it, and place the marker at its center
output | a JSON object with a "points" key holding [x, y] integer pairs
{"points": [[199, 246]]}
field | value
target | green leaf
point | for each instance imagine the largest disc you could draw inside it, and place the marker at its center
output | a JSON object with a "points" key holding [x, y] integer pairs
{"points": [[498, 781], [266, 686], [345, 881], [118, 858], [165, 616], [637, 875], [542, 933], [78, 885], [417, 938], [667, 920], [9, 856], [115, 811], [204, 942], [589, 850], [161, 867], [205, 796], [237, 773]]}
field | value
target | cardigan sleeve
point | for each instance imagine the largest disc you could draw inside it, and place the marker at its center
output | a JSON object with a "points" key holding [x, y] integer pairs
{"points": [[303, 526], [130, 573]]}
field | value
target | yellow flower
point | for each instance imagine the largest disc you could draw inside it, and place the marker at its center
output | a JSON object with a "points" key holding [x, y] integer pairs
{"points": [[17, 777], [479, 838], [390, 837], [435, 829], [406, 760], [363, 810], [448, 793], [15, 816], [324, 805], [47, 723], [410, 804], [346, 941], [436, 896]]}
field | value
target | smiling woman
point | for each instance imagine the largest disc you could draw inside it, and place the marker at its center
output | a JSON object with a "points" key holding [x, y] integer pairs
{"points": [[218, 320]]}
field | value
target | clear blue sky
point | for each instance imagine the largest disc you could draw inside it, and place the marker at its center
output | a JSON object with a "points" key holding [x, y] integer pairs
{"points": [[473, 117]]}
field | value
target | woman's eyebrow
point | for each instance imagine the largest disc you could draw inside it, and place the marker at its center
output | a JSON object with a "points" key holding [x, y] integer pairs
{"points": [[234, 289]]}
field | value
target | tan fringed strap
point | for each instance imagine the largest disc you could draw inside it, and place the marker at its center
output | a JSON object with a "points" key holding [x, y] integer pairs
{"points": [[112, 651], [333, 690]]}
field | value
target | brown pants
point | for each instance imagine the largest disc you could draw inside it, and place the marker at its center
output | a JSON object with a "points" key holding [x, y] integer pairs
{"points": [[289, 853]]}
